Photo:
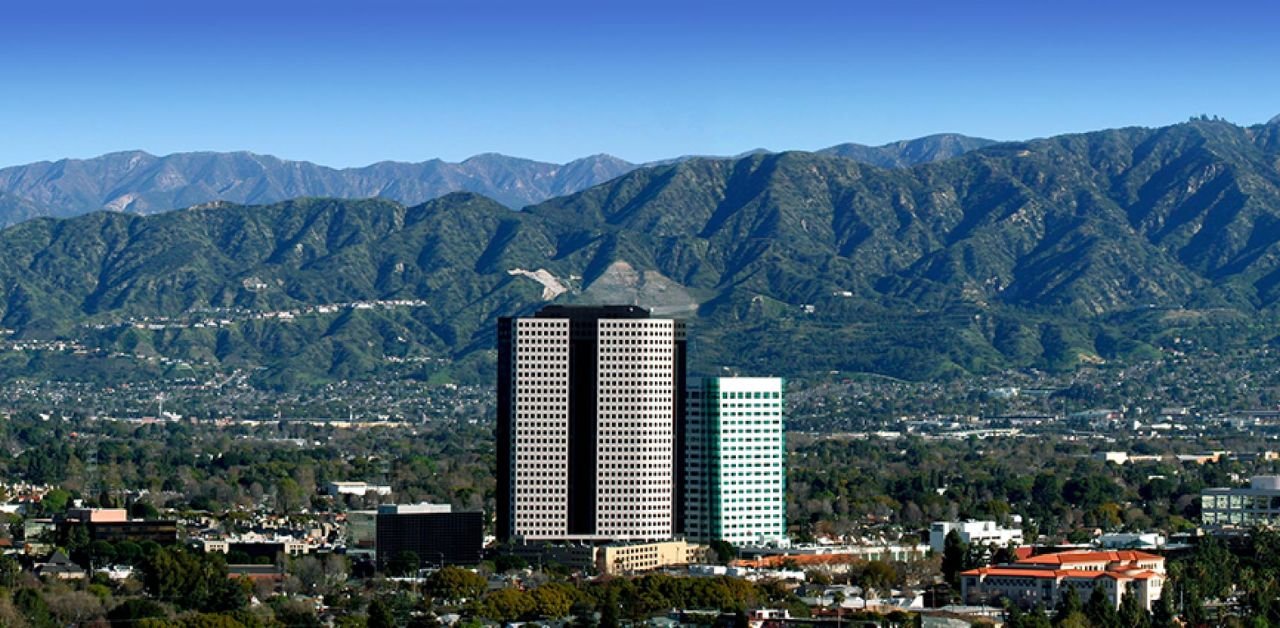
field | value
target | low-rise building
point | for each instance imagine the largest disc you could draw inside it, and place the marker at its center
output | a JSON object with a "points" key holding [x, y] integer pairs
{"points": [[256, 546], [1042, 580], [114, 525], [361, 532], [621, 557], [1258, 505], [624, 558], [982, 533], [838, 558], [1131, 540], [355, 488], [433, 532]]}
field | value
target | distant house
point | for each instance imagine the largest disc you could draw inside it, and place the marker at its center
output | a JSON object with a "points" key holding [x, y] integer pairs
{"points": [[60, 567]]}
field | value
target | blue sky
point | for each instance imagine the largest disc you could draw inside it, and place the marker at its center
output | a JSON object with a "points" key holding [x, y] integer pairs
{"points": [[350, 83]]}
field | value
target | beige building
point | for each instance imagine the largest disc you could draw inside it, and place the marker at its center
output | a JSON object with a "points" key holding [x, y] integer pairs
{"points": [[1043, 579], [627, 558]]}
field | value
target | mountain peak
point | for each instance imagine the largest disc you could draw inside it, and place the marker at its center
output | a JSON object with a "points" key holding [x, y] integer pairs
{"points": [[597, 158], [1275, 120], [908, 153]]}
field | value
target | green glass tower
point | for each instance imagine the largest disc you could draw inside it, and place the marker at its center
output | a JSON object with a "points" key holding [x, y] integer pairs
{"points": [[735, 460]]}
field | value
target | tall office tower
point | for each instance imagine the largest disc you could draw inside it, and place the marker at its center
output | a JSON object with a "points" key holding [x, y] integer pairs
{"points": [[735, 460], [588, 405]]}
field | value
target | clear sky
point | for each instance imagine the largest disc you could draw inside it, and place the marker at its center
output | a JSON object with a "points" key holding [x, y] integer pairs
{"points": [[353, 82]]}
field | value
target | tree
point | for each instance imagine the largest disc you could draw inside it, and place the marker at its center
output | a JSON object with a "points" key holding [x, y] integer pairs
{"points": [[1037, 618], [55, 501], [33, 608], [336, 573], [552, 600], [143, 510], [380, 616], [1068, 602], [404, 563], [502, 563], [507, 605], [725, 551], [1132, 614], [954, 557], [584, 615], [455, 585], [102, 552], [1069, 612], [877, 575], [1163, 615], [309, 571], [74, 607], [192, 581], [609, 616], [128, 552], [1099, 610], [294, 613], [1213, 569], [133, 610], [9, 572], [210, 620]]}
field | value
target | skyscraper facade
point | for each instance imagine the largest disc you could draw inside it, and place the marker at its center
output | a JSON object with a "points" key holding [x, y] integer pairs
{"points": [[589, 402], [735, 460]]}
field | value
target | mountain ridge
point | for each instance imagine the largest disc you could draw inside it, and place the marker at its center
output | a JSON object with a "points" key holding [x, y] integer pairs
{"points": [[139, 182], [1052, 253]]}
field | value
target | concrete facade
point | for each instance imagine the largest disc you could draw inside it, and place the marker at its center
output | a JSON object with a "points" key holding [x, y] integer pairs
{"points": [[588, 399]]}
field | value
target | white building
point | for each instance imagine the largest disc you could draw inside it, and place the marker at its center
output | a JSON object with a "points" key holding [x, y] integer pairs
{"points": [[982, 533], [355, 488], [735, 460], [424, 508], [587, 405], [1258, 505], [1131, 540]]}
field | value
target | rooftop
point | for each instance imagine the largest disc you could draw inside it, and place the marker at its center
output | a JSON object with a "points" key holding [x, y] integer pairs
{"points": [[1077, 557]]}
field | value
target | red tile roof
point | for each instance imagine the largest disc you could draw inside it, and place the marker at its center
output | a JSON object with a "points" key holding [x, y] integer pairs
{"points": [[1067, 558]]}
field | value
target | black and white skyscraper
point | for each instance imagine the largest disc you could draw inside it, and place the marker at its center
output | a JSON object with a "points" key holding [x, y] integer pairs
{"points": [[590, 420]]}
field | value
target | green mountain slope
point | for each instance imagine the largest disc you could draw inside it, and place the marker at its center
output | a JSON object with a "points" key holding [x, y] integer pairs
{"points": [[139, 183], [1047, 253], [908, 153]]}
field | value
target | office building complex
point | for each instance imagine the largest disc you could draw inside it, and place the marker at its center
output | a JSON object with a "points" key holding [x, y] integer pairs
{"points": [[735, 453], [588, 402], [1258, 505], [114, 525], [434, 533]]}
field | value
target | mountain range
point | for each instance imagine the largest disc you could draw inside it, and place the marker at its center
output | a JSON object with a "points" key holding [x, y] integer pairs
{"points": [[140, 183], [1050, 253]]}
